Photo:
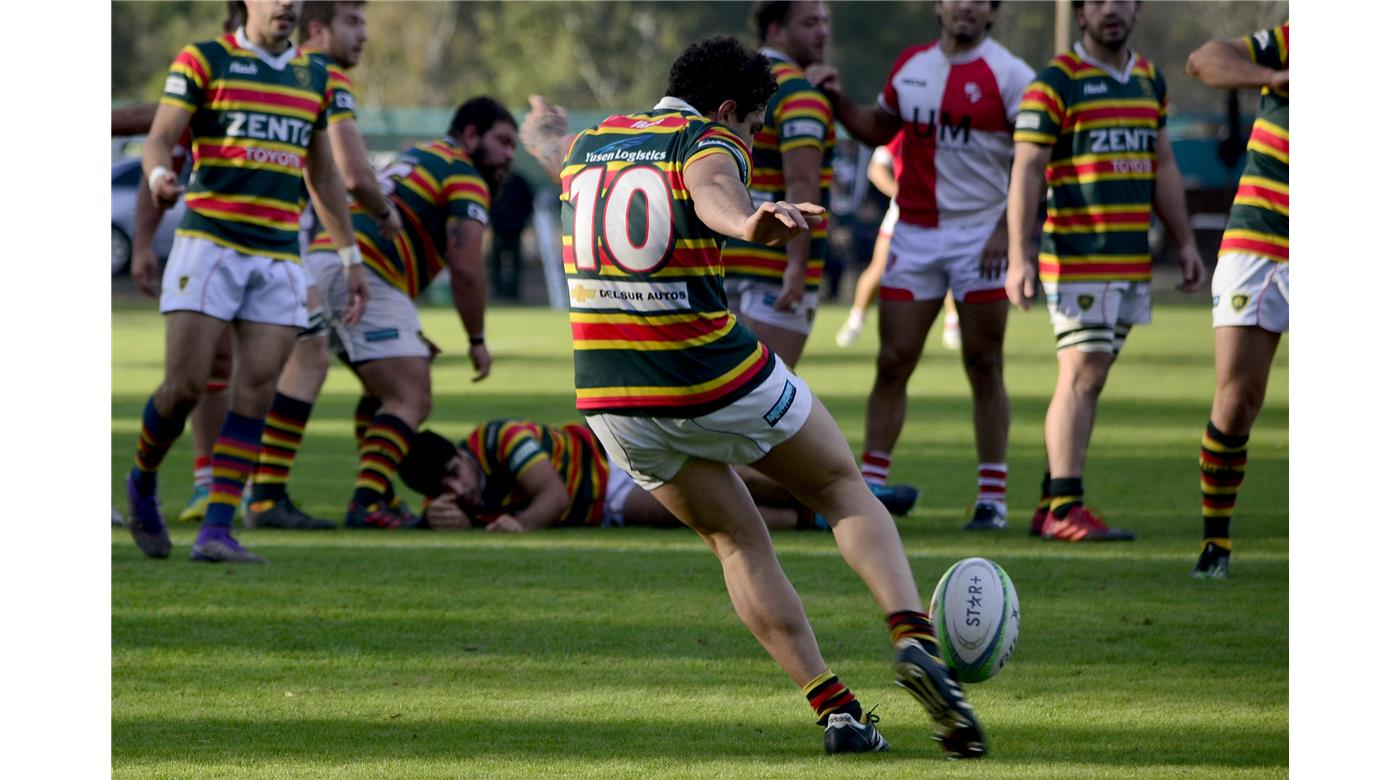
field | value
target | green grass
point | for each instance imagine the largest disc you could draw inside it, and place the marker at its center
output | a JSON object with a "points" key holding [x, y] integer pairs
{"points": [[592, 653]]}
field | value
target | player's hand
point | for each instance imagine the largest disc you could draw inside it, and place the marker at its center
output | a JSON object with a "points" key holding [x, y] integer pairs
{"points": [[776, 223], [1279, 81], [357, 291], [391, 225], [543, 123], [481, 361], [166, 191], [826, 78], [1020, 283], [794, 287], [994, 253], [506, 524], [443, 514], [1193, 270], [145, 270]]}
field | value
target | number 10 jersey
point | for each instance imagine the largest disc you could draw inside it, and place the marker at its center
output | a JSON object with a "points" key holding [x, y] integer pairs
{"points": [[652, 332]]}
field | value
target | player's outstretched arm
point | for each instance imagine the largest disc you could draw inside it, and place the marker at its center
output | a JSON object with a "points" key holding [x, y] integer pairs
{"points": [[1022, 204], [871, 125], [1169, 201], [352, 160], [168, 125], [133, 120], [723, 204], [1227, 65], [881, 174], [545, 135], [802, 179], [328, 198], [468, 275]]}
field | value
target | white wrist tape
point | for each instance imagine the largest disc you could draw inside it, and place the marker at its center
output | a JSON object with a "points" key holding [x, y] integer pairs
{"points": [[350, 255], [157, 173]]}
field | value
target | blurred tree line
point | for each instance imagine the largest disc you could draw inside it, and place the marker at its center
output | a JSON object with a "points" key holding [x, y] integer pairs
{"points": [[616, 55]]}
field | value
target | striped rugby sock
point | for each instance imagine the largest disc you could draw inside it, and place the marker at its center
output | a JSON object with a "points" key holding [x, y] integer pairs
{"points": [[386, 441], [1066, 493], [235, 455], [204, 472], [910, 624], [157, 434], [827, 694], [991, 484], [281, 438], [1223, 459], [875, 466]]}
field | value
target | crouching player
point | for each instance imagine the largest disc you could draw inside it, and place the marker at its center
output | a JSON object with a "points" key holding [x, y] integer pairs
{"points": [[677, 390]]}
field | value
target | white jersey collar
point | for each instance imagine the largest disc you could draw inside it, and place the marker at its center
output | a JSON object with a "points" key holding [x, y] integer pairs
{"points": [[773, 54], [277, 62], [669, 103], [1121, 76]]}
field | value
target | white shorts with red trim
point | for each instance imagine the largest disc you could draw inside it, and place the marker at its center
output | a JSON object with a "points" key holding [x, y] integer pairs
{"points": [[925, 263], [1250, 290], [229, 285], [653, 450]]}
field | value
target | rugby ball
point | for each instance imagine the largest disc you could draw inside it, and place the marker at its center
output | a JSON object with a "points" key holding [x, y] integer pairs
{"points": [[977, 618]]}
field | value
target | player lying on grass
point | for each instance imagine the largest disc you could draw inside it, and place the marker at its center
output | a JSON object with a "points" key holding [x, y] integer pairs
{"points": [[678, 390], [518, 476]]}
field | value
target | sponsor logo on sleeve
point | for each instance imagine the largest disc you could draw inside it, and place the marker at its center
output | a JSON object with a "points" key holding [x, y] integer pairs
{"points": [[175, 85], [1027, 121], [476, 212], [1262, 38], [345, 100], [803, 127], [521, 454]]}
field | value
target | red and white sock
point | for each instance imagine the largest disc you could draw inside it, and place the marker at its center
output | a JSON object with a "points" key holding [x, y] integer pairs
{"points": [[991, 484], [204, 472], [875, 467]]}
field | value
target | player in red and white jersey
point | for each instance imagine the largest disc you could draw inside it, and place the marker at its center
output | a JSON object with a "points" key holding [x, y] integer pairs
{"points": [[955, 101]]}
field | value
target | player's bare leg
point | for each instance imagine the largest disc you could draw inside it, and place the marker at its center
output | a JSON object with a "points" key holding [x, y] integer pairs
{"points": [[983, 327], [773, 502], [867, 285], [817, 467], [904, 327], [788, 344], [710, 498], [1243, 356], [1069, 422]]}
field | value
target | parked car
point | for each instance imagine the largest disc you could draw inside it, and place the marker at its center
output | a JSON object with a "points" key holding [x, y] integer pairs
{"points": [[126, 177]]}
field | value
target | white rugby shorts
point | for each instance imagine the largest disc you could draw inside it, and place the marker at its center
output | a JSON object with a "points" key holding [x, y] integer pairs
{"points": [[229, 285], [388, 328], [924, 263], [754, 299], [1096, 316], [1250, 290], [653, 450], [615, 493]]}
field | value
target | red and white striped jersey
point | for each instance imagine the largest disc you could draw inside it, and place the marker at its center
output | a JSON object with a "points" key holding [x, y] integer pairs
{"points": [[958, 114]]}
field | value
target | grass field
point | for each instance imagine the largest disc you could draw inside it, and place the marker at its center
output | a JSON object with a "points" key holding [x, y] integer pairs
{"points": [[615, 653]]}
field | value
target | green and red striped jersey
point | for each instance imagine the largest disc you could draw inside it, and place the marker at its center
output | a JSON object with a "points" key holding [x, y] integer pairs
{"points": [[798, 115], [252, 120], [505, 448], [1259, 217], [1103, 128], [652, 332], [342, 87], [429, 184]]}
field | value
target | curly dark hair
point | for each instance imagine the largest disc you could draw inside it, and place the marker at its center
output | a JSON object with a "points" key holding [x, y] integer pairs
{"points": [[719, 69]]}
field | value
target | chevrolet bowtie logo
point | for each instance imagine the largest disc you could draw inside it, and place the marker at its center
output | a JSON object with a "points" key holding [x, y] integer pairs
{"points": [[581, 294]]}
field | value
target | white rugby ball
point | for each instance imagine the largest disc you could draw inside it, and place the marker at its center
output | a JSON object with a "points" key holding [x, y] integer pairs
{"points": [[977, 618]]}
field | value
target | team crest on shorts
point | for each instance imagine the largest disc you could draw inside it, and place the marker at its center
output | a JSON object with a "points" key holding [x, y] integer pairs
{"points": [[1085, 301], [303, 76], [1239, 301], [184, 282]]}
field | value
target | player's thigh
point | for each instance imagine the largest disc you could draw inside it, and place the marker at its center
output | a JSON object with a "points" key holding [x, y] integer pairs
{"points": [[983, 328], [813, 463], [904, 327], [192, 343], [397, 379], [709, 497], [1243, 356], [259, 351]]}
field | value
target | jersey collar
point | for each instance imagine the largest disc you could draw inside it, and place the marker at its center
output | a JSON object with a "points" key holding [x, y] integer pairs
{"points": [[669, 103], [1121, 76], [277, 62], [773, 54]]}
